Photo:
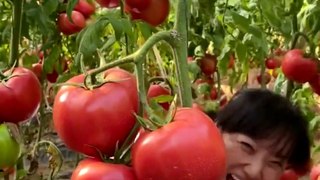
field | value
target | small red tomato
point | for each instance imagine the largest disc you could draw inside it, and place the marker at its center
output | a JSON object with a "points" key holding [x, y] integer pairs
{"points": [[272, 63], [37, 69], [85, 7], [289, 175], [267, 78], [109, 3], [67, 27], [208, 64], [156, 90]]}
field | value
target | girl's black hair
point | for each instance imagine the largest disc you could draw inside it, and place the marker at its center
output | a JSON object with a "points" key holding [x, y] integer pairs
{"points": [[261, 114]]}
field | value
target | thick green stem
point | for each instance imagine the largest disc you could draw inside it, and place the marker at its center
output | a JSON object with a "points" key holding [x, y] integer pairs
{"points": [[16, 32], [181, 53]]}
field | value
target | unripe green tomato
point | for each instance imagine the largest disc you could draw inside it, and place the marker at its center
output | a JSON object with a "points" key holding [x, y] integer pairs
{"points": [[9, 146]]}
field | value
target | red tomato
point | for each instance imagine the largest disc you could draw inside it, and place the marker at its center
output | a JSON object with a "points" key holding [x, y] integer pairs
{"points": [[155, 14], [85, 7], [315, 172], [289, 175], [134, 13], [213, 93], [197, 106], [190, 147], [208, 64], [109, 3], [87, 120], [37, 69], [272, 63], [67, 27], [139, 4], [53, 76], [156, 90], [298, 68], [267, 78], [208, 80], [93, 169], [20, 96]]}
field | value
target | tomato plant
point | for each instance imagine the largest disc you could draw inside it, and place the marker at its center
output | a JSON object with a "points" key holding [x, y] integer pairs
{"points": [[109, 107], [21, 95], [177, 160], [94, 169], [10, 147]]}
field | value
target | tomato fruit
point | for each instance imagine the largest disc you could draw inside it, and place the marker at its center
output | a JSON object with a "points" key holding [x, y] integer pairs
{"points": [[85, 7], [208, 64], [272, 63], [170, 150], [289, 175], [155, 14], [97, 170], [139, 4], [267, 78], [108, 3], [67, 27], [20, 96], [9, 147], [298, 68], [37, 70], [53, 76], [315, 84], [156, 90], [90, 120], [135, 14]]}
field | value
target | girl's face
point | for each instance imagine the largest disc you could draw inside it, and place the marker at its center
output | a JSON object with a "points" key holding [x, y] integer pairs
{"points": [[250, 159]]}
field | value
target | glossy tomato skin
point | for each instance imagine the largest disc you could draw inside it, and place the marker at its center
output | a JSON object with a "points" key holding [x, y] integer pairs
{"points": [[37, 70], [139, 4], [20, 96], [9, 148], [272, 63], [156, 90], [190, 147], [85, 8], [67, 27], [289, 175], [87, 120], [109, 3], [297, 68], [96, 170], [156, 13]]}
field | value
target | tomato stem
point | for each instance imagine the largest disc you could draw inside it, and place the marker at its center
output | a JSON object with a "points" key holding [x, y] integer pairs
{"points": [[16, 32], [181, 53]]}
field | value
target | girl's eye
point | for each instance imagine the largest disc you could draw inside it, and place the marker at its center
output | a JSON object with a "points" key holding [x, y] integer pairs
{"points": [[247, 147], [276, 163]]}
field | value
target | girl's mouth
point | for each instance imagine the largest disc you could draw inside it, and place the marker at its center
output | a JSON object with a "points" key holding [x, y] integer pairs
{"points": [[232, 177]]}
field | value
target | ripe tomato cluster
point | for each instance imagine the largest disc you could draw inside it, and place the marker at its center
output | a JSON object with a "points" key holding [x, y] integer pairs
{"points": [[82, 11], [95, 121]]}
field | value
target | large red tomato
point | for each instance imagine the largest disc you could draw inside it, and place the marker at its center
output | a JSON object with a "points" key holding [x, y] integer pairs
{"points": [[155, 14], [109, 3], [20, 96], [87, 120], [156, 90], [298, 68], [85, 7], [67, 27], [93, 169], [190, 147]]}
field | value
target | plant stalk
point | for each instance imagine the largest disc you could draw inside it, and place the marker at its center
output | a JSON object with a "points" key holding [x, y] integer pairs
{"points": [[181, 53], [16, 32]]}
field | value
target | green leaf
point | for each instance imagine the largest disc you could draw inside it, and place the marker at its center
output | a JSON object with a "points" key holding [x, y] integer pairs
{"points": [[117, 25], [50, 7], [240, 21], [51, 59], [145, 30]]}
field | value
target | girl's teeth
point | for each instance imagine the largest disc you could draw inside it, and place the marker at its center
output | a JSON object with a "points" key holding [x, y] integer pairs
{"points": [[235, 177]]}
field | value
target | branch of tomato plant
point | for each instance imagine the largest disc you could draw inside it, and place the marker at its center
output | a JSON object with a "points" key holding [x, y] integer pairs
{"points": [[180, 52], [125, 34], [142, 52], [16, 32]]}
